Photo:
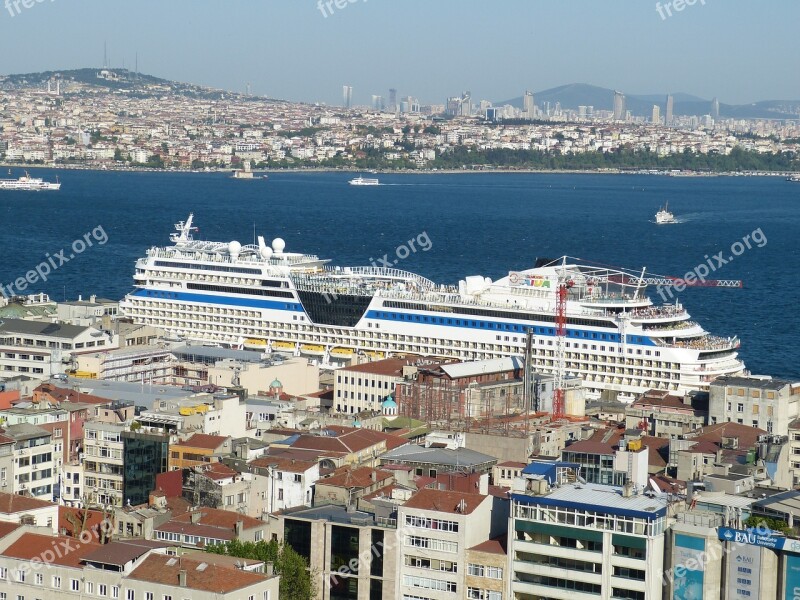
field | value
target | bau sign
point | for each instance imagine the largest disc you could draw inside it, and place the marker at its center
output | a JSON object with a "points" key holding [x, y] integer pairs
{"points": [[752, 538]]}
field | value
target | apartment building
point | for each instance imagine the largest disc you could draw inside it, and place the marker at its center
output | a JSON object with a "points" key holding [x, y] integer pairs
{"points": [[290, 481], [199, 449], [584, 540], [42, 348], [364, 387], [438, 527], [34, 472], [353, 553], [487, 569], [762, 402], [661, 414], [123, 570], [205, 526], [24, 510], [103, 464]]}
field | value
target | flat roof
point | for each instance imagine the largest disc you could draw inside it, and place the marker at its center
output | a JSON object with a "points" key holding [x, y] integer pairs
{"points": [[333, 513], [26, 327], [786, 502], [765, 383], [462, 457], [600, 498], [206, 353], [125, 391], [483, 367]]}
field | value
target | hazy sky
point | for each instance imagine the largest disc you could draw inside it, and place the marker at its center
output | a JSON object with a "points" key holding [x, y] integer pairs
{"points": [[738, 50]]}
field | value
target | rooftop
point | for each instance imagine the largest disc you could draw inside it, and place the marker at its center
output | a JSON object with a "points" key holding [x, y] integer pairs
{"points": [[362, 477], [121, 552], [334, 514], [200, 575], [462, 457], [45, 328], [387, 366], [762, 383], [429, 499], [204, 441], [33, 545], [600, 498], [483, 367]]}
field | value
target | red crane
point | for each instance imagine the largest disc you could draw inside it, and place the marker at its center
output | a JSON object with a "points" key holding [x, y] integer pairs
{"points": [[564, 284], [605, 277]]}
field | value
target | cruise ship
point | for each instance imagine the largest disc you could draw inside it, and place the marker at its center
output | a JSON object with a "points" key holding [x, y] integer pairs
{"points": [[617, 340]]}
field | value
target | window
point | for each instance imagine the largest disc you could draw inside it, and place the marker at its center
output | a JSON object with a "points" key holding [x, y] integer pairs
{"points": [[102, 589], [90, 587], [21, 575], [148, 596], [476, 570], [3, 573], [129, 595], [427, 523], [39, 580], [57, 582], [114, 591], [494, 572], [74, 585]]}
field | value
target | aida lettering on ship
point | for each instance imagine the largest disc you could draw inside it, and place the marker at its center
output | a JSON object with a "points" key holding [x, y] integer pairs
{"points": [[617, 339]]}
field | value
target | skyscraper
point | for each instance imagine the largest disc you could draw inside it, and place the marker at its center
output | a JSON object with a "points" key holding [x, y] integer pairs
{"points": [[656, 113], [715, 109], [393, 100], [377, 102], [619, 106], [670, 108], [528, 107], [347, 95]]}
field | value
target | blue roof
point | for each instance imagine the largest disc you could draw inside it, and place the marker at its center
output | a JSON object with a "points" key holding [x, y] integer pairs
{"points": [[547, 470], [389, 403]]}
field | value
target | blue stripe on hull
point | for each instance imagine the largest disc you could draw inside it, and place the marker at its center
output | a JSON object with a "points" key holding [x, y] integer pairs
{"points": [[501, 327], [222, 300]]}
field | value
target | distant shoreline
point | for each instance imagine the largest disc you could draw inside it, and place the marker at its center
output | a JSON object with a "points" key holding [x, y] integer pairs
{"points": [[17, 166]]}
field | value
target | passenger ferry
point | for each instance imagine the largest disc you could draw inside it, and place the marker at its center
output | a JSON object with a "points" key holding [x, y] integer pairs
{"points": [[30, 184], [364, 181], [617, 340]]}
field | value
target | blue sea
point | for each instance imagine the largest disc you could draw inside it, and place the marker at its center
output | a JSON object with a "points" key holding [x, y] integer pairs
{"points": [[460, 224]]}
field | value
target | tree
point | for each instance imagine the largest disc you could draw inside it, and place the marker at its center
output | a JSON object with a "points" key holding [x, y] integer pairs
{"points": [[296, 581]]}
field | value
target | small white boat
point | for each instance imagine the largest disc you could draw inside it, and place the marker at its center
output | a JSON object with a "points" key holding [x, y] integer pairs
{"points": [[794, 179], [664, 217], [363, 181]]}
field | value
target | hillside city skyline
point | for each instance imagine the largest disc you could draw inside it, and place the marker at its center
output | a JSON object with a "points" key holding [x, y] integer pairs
{"points": [[293, 52]]}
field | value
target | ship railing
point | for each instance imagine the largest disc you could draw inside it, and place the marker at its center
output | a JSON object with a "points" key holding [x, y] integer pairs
{"points": [[386, 272], [708, 342], [670, 326], [657, 312], [214, 252]]}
